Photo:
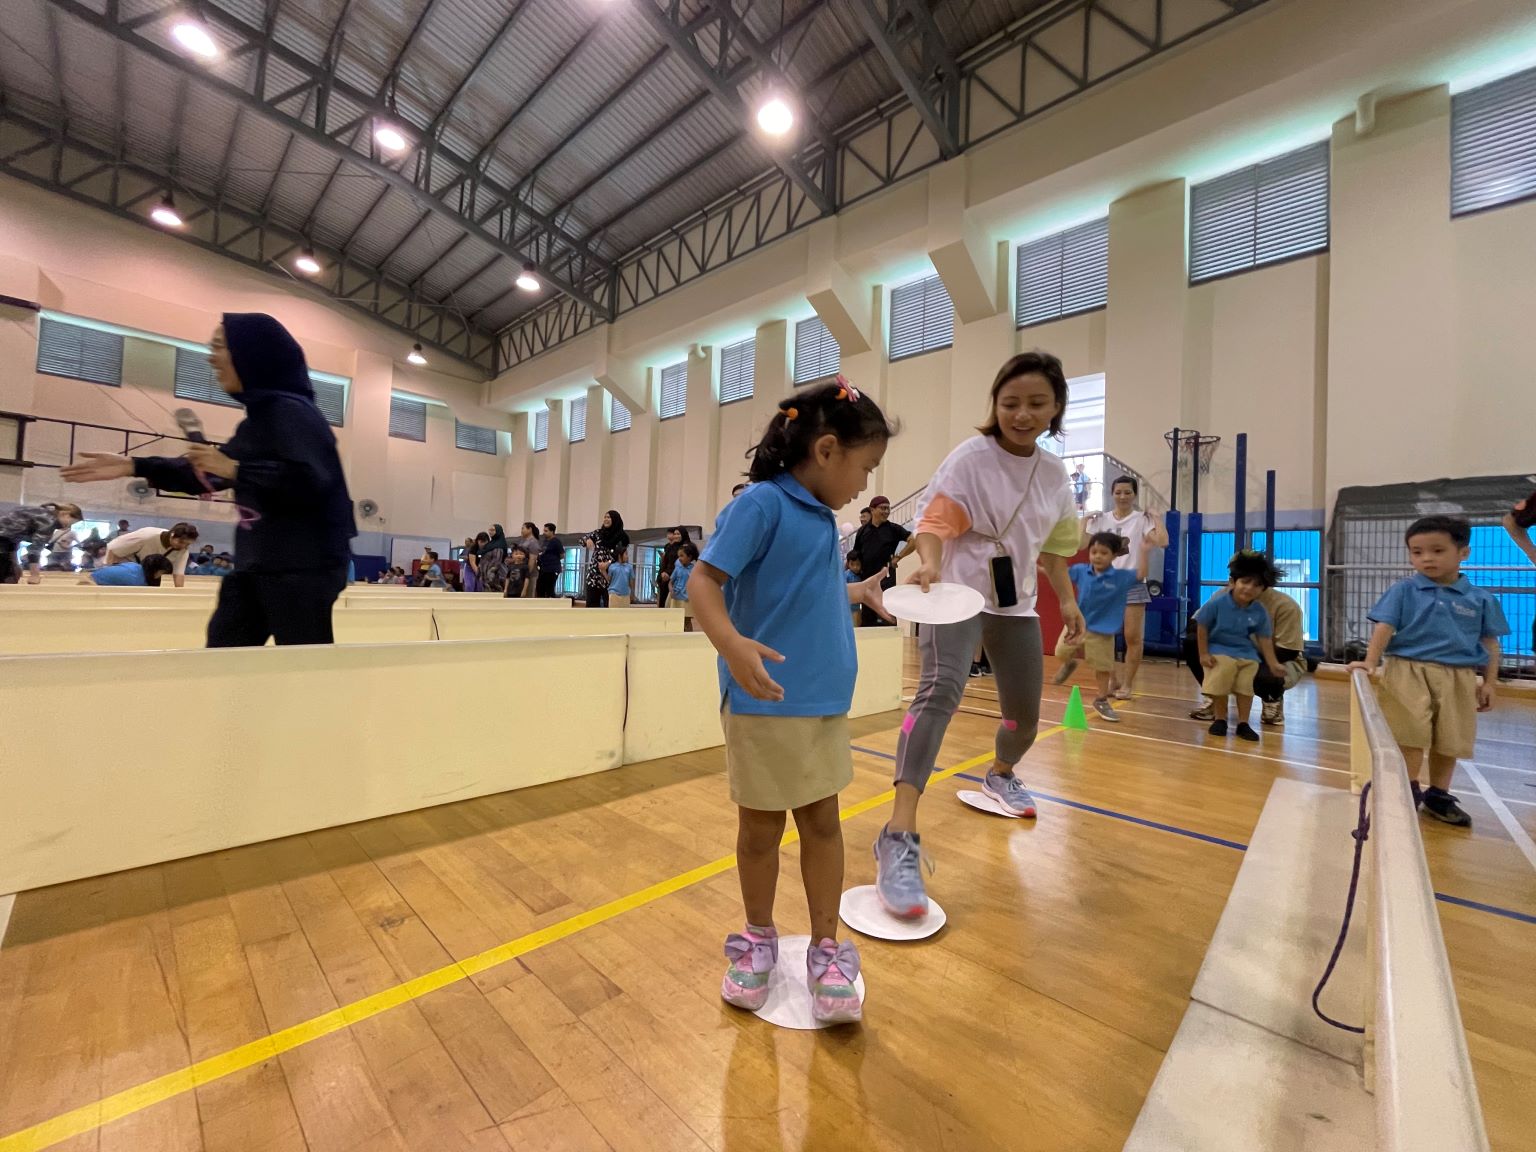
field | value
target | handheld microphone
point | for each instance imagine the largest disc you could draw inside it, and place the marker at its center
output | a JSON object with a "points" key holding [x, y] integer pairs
{"points": [[191, 425]]}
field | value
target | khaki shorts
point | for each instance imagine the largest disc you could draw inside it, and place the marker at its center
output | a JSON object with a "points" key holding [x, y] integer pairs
{"points": [[1430, 706], [618, 600], [1098, 648], [1230, 675], [779, 763]]}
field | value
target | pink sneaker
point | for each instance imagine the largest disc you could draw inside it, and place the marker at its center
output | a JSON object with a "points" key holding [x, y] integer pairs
{"points": [[831, 969], [752, 953]]}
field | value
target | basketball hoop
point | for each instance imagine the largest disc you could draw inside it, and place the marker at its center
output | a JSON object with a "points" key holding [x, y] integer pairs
{"points": [[1196, 451]]}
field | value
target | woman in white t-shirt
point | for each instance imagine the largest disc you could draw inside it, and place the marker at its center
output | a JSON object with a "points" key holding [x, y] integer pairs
{"points": [[998, 506], [1141, 533]]}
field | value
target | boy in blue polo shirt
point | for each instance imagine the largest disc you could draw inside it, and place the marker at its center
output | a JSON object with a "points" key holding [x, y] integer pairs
{"points": [[621, 575], [1233, 631], [1101, 593], [1436, 630]]}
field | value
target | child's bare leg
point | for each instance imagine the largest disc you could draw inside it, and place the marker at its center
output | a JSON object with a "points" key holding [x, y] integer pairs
{"points": [[758, 835], [1244, 707], [1414, 759], [821, 864], [1105, 681], [1441, 769], [1219, 707]]}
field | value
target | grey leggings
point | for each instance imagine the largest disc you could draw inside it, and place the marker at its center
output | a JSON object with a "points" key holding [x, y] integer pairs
{"points": [[1013, 648]]}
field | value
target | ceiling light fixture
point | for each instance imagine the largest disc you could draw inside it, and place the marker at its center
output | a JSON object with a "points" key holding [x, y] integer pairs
{"points": [[390, 138], [306, 262], [195, 39], [165, 213], [528, 280], [775, 116], [415, 356]]}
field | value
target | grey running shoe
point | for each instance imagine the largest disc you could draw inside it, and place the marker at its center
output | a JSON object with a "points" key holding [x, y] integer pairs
{"points": [[899, 874], [1009, 791], [1206, 712], [1104, 709], [1273, 712], [1064, 673]]}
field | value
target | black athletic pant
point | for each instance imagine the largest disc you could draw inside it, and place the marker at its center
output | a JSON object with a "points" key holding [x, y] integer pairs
{"points": [[10, 571], [289, 607], [545, 588], [1265, 686]]}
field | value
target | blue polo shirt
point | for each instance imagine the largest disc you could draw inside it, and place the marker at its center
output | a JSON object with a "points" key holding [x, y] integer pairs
{"points": [[1101, 596], [1439, 623], [619, 577], [126, 575], [679, 581], [1230, 627], [778, 544]]}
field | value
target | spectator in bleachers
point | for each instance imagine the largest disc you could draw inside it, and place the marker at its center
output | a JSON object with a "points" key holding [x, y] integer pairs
{"points": [[122, 530], [469, 562], [31, 525], [529, 541], [621, 575], [676, 538], [551, 564], [604, 546], [686, 556], [519, 575]]}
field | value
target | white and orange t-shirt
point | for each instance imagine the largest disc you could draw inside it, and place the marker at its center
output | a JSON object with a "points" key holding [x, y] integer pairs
{"points": [[968, 503]]}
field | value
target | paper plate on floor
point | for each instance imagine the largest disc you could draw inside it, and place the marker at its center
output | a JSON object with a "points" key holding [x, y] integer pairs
{"points": [[941, 604], [863, 912], [982, 803], [789, 996]]}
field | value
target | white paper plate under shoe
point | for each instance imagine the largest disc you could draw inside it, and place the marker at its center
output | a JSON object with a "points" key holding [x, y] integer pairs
{"points": [[789, 995], [941, 604], [862, 911]]}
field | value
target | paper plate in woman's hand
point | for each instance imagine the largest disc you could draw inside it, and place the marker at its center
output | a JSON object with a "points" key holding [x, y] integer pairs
{"points": [[941, 604]]}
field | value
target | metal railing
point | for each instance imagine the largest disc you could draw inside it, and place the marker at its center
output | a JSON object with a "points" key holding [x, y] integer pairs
{"points": [[1416, 1060]]}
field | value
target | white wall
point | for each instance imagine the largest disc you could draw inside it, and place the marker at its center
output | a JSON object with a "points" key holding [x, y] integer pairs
{"points": [[80, 262], [1301, 356]]}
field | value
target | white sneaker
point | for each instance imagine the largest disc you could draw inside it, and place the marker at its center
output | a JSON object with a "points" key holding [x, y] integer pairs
{"points": [[1273, 712], [1122, 693], [1206, 712]]}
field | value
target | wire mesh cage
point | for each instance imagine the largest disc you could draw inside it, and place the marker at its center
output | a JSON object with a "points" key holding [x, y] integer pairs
{"points": [[1367, 554]]}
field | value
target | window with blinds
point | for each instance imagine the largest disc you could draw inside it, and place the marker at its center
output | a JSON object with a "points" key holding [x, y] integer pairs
{"points": [[1493, 144], [195, 381], [331, 399], [817, 355], [578, 419], [674, 390], [922, 318], [473, 438], [407, 419], [80, 353], [737, 370], [618, 415], [1064, 274], [541, 430], [1260, 215]]}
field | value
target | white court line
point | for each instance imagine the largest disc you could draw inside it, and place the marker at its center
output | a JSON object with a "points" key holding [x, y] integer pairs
{"points": [[1503, 767], [1107, 731], [1517, 833], [6, 904]]}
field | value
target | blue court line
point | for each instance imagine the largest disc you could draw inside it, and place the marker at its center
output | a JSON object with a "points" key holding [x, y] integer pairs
{"points": [[1523, 917], [1460, 902], [872, 752], [1122, 816]]}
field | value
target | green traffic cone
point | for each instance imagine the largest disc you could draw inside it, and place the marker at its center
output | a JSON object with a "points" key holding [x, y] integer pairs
{"points": [[1076, 720]]}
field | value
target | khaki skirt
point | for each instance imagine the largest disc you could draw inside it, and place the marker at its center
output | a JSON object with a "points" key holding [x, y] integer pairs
{"points": [[779, 763]]}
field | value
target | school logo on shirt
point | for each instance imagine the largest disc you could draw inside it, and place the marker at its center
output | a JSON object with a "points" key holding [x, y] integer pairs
{"points": [[1465, 610]]}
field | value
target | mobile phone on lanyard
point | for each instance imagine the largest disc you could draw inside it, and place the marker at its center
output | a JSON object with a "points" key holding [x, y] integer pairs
{"points": [[1005, 593]]}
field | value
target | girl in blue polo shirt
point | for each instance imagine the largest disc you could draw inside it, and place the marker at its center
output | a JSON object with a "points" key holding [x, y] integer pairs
{"points": [[769, 587]]}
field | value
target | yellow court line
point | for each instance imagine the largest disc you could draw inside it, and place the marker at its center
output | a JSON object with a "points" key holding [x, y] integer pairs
{"points": [[141, 1096]]}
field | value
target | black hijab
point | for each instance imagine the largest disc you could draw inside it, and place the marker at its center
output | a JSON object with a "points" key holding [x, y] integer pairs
{"points": [[613, 538]]}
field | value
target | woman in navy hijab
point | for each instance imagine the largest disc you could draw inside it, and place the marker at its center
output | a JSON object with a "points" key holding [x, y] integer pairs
{"points": [[293, 543]]}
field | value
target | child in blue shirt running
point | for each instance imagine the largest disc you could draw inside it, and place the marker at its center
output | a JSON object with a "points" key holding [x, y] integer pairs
{"points": [[1101, 594], [1437, 631], [1233, 632], [770, 588]]}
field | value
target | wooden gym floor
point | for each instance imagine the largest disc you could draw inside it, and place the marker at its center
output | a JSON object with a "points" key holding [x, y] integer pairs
{"points": [[1036, 1020]]}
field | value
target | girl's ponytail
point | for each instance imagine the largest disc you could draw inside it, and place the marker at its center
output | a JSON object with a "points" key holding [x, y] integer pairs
{"points": [[836, 408]]}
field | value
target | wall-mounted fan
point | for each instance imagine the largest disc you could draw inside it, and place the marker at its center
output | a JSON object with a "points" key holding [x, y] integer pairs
{"points": [[139, 489], [367, 509]]}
